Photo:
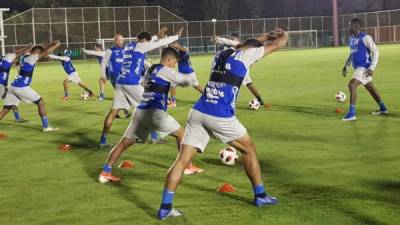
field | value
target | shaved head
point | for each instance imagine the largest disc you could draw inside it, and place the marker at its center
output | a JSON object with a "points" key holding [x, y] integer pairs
{"points": [[119, 40]]}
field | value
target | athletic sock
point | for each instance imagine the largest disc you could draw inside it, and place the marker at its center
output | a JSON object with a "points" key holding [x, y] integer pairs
{"points": [[259, 191], [102, 94], [107, 168], [45, 122], [167, 198], [173, 99], [382, 106], [352, 109], [153, 135], [65, 93], [16, 115], [103, 139]]}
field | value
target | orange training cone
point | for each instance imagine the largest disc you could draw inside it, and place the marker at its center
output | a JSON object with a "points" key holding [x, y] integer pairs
{"points": [[126, 164], [339, 111], [267, 105], [64, 147], [226, 188], [3, 136]]}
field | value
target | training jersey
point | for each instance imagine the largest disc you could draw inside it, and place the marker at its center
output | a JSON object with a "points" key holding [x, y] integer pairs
{"points": [[134, 56], [24, 78], [112, 62], [363, 51], [157, 82], [65, 62], [184, 64], [5, 67], [228, 70]]}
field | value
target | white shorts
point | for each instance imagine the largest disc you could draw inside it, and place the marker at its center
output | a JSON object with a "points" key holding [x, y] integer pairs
{"points": [[194, 77], [360, 74], [3, 91], [74, 77], [127, 95], [146, 120], [247, 80], [17, 94], [200, 126]]}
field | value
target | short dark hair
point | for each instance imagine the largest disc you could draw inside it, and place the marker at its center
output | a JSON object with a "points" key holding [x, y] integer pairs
{"points": [[37, 47], [356, 21], [235, 35], [97, 45], [169, 51], [144, 35], [252, 43]]}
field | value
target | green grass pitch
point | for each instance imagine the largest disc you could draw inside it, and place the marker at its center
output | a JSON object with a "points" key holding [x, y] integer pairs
{"points": [[323, 171]]}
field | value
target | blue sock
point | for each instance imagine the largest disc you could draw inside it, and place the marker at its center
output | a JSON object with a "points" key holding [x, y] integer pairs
{"points": [[16, 115], [107, 168], [154, 135], [259, 191], [352, 109], [65, 93], [103, 139], [45, 122], [173, 99], [382, 106], [167, 198]]}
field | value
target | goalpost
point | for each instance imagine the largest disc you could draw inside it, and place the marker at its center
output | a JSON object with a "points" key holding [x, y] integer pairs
{"points": [[303, 39], [2, 36]]}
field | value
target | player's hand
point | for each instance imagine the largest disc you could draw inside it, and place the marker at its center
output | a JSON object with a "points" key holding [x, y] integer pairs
{"points": [[179, 33], [162, 31], [370, 73], [344, 71]]}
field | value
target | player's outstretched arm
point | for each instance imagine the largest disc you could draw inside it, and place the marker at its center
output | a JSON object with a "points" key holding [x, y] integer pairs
{"points": [[278, 43], [53, 46], [225, 41], [23, 50], [95, 53], [59, 58], [148, 46], [161, 33]]}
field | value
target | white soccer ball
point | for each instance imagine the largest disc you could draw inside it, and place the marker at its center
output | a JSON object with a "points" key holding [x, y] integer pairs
{"points": [[254, 104], [228, 156], [340, 96], [85, 96]]}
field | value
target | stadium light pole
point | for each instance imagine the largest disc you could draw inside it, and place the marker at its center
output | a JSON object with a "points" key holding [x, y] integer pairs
{"points": [[2, 36], [335, 23]]}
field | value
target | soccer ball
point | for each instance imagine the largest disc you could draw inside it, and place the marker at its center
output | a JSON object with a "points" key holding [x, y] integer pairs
{"points": [[254, 104], [228, 156], [85, 96], [340, 96]]}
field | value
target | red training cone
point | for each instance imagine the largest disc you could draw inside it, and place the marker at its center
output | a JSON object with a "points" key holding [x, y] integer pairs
{"points": [[126, 164], [64, 147], [3, 136], [226, 188], [339, 111]]}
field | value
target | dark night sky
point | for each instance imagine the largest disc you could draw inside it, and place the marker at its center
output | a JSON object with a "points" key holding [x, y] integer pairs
{"points": [[224, 9]]}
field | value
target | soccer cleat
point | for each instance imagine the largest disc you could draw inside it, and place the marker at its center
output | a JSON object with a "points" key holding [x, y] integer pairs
{"points": [[108, 177], [101, 98], [165, 213], [158, 141], [192, 169], [64, 98], [105, 145], [349, 117], [50, 129], [267, 200], [380, 112], [22, 121]]}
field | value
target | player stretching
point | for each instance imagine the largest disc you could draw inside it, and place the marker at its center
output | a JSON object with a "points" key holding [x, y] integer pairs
{"points": [[128, 90], [185, 68], [214, 113], [20, 88], [364, 57], [151, 113], [232, 43], [72, 75], [99, 53], [5, 67]]}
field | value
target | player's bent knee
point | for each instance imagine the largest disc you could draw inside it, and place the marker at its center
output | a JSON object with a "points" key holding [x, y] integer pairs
{"points": [[39, 102]]}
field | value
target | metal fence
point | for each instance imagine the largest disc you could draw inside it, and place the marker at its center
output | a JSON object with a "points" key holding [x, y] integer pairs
{"points": [[81, 27]]}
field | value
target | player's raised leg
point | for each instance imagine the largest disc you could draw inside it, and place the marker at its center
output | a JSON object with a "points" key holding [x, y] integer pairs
{"points": [[377, 97]]}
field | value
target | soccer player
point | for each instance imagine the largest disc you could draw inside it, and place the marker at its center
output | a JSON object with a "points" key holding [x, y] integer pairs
{"points": [[233, 42], [72, 74], [112, 61], [100, 54], [5, 67], [151, 114], [214, 114], [128, 91], [364, 57], [20, 89], [185, 68]]}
